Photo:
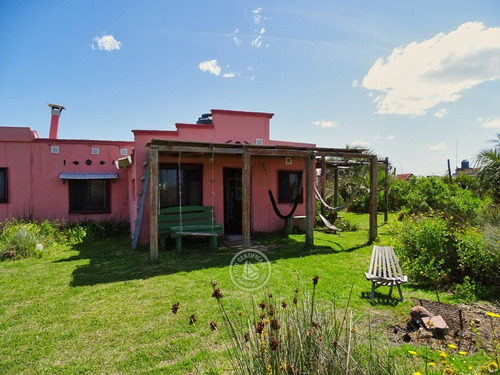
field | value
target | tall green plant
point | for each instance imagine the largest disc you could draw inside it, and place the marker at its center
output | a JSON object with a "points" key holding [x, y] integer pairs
{"points": [[488, 161]]}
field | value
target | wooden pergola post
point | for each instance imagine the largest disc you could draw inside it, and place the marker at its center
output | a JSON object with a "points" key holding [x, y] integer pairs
{"points": [[386, 191], [246, 200], [373, 198], [153, 204], [335, 191], [310, 217], [323, 184]]}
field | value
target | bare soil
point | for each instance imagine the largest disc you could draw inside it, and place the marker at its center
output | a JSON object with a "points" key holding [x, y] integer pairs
{"points": [[469, 327]]}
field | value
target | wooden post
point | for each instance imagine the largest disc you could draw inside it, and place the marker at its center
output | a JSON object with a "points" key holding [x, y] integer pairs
{"points": [[373, 198], [323, 183], [310, 177], [335, 191], [153, 204], [386, 192], [246, 200]]}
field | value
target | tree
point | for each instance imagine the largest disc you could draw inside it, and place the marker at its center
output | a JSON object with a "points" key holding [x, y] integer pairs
{"points": [[488, 161]]}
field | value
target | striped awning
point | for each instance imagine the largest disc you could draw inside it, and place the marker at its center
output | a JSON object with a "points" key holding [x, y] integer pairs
{"points": [[88, 176]]}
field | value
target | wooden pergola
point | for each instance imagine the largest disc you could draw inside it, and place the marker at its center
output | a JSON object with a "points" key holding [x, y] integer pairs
{"points": [[246, 152]]}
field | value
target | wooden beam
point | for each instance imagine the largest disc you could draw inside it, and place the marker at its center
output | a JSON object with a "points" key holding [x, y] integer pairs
{"points": [[373, 198], [323, 183], [310, 217], [200, 149], [153, 204], [278, 152], [246, 200]]}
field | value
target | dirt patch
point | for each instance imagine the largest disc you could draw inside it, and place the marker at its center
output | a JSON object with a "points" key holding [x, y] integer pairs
{"points": [[469, 327]]}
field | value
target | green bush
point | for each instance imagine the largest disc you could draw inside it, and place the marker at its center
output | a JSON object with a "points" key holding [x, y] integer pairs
{"points": [[422, 244], [22, 239]]}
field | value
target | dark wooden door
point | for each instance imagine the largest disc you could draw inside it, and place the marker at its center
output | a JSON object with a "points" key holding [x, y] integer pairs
{"points": [[232, 200]]}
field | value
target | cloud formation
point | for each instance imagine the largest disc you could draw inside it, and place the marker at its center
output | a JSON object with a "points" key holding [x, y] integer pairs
{"points": [[326, 124], [229, 75], [360, 144], [491, 123], [390, 137], [418, 77], [106, 43], [257, 42], [210, 66], [439, 147], [256, 16], [441, 113]]}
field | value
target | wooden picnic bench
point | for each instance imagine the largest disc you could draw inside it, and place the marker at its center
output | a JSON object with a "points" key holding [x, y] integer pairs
{"points": [[384, 270], [178, 222]]}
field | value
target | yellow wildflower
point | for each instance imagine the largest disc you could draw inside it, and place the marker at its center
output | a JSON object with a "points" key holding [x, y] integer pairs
{"points": [[417, 373], [448, 370], [493, 315], [443, 355], [451, 346], [493, 366], [283, 366], [412, 352], [263, 346], [269, 370], [462, 353], [431, 364]]}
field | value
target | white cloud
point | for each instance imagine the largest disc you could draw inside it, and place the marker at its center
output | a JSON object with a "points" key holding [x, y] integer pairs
{"points": [[106, 43], [441, 113], [257, 17], [491, 124], [326, 124], [257, 42], [355, 83], [390, 137], [210, 66], [229, 75], [479, 119], [235, 37], [422, 75], [360, 144], [439, 147]]}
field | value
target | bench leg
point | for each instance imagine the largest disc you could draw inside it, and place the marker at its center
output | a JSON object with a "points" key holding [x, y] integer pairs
{"points": [[390, 291], [373, 291], [179, 244], [213, 242], [400, 293]]}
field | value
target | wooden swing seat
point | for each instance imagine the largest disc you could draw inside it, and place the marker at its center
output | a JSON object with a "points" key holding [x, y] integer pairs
{"points": [[195, 220]]}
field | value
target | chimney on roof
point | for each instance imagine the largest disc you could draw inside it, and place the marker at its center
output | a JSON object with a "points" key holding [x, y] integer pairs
{"points": [[55, 110]]}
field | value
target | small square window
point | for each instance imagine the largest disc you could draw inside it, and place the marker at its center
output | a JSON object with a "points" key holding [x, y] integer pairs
{"points": [[123, 152], [288, 161], [95, 151], [259, 141], [54, 149]]}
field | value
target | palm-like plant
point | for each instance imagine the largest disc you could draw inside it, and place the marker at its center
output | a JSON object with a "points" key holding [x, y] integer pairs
{"points": [[488, 161]]}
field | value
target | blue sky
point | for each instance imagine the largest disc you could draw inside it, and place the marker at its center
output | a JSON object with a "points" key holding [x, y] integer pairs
{"points": [[417, 81]]}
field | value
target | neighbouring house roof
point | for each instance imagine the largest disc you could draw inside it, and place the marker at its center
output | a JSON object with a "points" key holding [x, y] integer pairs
{"points": [[19, 134], [88, 176], [404, 176]]}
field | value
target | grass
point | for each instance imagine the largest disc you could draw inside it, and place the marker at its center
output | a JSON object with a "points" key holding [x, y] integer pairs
{"points": [[101, 308]]}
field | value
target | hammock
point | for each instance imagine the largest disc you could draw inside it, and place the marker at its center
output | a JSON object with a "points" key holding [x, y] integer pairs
{"points": [[347, 202], [329, 225]]}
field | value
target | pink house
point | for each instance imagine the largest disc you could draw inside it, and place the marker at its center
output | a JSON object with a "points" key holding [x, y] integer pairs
{"points": [[225, 160]]}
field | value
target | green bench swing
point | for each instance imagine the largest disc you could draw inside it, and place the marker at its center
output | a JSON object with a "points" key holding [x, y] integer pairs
{"points": [[178, 222]]}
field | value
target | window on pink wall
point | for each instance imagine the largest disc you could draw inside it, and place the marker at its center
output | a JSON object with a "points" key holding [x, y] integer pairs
{"points": [[3, 185], [188, 181], [89, 196], [289, 185]]}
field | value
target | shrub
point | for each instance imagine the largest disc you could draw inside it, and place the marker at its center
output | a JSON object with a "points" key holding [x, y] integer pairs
{"points": [[21, 240]]}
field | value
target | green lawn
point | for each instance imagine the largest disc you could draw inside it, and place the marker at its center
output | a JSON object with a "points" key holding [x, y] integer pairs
{"points": [[101, 308]]}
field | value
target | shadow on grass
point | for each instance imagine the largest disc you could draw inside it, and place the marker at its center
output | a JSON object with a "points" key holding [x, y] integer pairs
{"points": [[112, 260]]}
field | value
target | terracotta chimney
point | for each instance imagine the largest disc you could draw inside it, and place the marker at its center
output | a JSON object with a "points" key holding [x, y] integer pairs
{"points": [[54, 121]]}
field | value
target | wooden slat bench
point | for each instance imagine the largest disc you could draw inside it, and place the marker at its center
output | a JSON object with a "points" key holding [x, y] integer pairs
{"points": [[178, 222], [384, 270]]}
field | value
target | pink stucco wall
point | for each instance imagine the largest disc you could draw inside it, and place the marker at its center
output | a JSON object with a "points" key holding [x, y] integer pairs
{"points": [[34, 188], [226, 127]]}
